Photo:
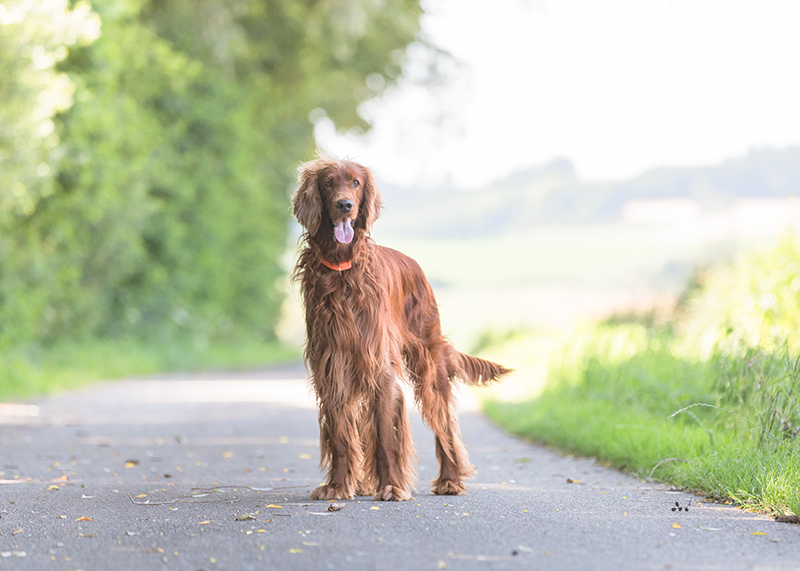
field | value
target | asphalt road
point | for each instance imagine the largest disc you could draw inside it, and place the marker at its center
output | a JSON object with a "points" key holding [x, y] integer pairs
{"points": [[165, 474]]}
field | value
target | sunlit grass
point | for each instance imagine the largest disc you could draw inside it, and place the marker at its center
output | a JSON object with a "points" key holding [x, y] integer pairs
{"points": [[708, 400], [613, 391]]}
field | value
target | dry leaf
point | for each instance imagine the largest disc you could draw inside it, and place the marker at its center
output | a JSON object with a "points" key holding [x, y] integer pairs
{"points": [[295, 551], [676, 526], [571, 481], [335, 507], [273, 506], [84, 518], [204, 522], [376, 508], [758, 533], [244, 517]]}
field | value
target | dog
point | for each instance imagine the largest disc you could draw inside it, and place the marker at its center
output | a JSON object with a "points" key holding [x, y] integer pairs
{"points": [[371, 320]]}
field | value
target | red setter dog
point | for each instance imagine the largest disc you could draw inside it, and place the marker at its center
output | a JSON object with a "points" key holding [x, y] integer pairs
{"points": [[371, 319]]}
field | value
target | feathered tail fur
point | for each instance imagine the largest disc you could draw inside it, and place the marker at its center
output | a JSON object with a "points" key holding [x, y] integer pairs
{"points": [[475, 371]]}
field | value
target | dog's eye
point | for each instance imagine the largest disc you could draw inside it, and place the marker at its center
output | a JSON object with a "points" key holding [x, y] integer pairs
{"points": [[356, 183], [329, 182]]}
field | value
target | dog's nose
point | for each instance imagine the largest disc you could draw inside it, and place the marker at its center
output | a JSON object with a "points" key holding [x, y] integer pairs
{"points": [[344, 206]]}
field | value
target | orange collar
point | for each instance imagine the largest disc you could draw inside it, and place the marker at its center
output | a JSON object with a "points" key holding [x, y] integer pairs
{"points": [[337, 267]]}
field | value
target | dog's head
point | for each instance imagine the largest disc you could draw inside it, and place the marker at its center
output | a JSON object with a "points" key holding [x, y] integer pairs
{"points": [[337, 197]]}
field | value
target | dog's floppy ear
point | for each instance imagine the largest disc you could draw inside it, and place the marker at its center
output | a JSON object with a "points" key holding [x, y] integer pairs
{"points": [[306, 202], [371, 203]]}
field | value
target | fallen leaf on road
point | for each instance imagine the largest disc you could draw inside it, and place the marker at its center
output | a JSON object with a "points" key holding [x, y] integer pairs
{"points": [[376, 508], [335, 507], [273, 506], [295, 550], [142, 496], [84, 518], [676, 526], [204, 522], [571, 481], [88, 534], [53, 487], [758, 533], [244, 517]]}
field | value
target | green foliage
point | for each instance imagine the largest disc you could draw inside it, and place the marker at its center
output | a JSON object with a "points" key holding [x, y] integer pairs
{"points": [[145, 170], [34, 36], [751, 301], [637, 394]]}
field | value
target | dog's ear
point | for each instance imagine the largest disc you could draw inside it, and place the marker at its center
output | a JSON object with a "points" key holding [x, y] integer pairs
{"points": [[306, 202], [371, 203]]}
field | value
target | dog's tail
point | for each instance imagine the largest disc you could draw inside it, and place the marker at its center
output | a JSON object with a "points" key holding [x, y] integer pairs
{"points": [[475, 371]]}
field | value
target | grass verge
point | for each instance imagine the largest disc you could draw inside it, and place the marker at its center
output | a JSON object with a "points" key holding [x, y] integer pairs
{"points": [[33, 370], [644, 400]]}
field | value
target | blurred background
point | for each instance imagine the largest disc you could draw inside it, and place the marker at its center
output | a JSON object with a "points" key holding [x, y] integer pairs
{"points": [[571, 160], [547, 162]]}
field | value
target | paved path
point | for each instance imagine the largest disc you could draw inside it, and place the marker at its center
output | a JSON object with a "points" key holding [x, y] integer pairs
{"points": [[77, 471]]}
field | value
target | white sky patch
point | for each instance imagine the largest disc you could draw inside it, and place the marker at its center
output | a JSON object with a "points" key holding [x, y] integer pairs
{"points": [[617, 87]]}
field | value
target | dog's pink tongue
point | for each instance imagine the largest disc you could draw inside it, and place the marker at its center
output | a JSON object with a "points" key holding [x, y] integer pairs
{"points": [[343, 231]]}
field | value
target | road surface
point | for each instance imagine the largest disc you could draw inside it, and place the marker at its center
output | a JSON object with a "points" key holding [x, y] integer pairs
{"points": [[214, 472]]}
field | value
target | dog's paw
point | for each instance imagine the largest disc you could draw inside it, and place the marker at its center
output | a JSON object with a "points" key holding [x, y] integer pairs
{"points": [[392, 494], [363, 490], [448, 488], [331, 492]]}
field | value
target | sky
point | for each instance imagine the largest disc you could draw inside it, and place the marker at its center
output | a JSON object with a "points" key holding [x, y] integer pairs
{"points": [[617, 87]]}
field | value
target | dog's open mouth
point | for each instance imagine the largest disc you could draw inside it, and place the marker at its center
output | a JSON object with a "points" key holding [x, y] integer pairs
{"points": [[343, 231]]}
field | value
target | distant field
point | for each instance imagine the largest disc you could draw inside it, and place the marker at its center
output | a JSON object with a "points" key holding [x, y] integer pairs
{"points": [[555, 276]]}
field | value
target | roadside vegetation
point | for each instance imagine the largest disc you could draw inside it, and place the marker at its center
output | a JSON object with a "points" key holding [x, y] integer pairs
{"points": [[147, 151], [708, 398]]}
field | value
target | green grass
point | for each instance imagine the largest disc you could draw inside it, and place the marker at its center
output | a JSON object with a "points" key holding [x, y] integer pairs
{"points": [[627, 394], [33, 370], [708, 400]]}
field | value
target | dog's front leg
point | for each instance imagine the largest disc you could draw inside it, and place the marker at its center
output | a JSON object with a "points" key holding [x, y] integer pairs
{"points": [[341, 453], [388, 447]]}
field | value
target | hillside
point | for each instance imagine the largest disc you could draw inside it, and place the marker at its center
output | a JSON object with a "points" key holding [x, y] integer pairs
{"points": [[552, 194]]}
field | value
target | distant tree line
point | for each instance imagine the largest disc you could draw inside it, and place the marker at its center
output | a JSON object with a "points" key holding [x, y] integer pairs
{"points": [[147, 149]]}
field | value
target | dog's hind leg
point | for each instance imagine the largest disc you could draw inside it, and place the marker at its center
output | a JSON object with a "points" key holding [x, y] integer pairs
{"points": [[432, 391]]}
